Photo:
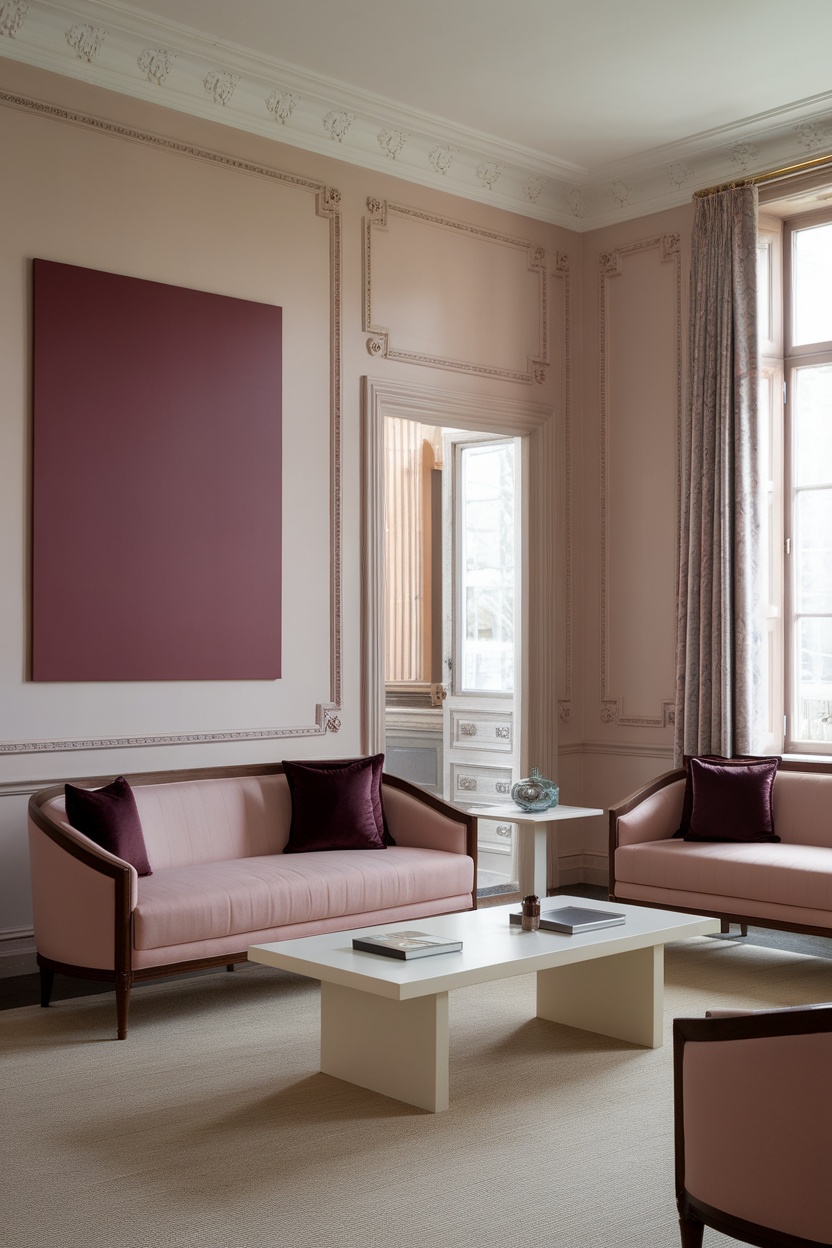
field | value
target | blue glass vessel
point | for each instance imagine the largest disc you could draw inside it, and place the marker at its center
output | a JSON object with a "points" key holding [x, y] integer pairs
{"points": [[535, 793]]}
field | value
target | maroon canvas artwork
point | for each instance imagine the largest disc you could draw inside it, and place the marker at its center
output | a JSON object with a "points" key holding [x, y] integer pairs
{"points": [[156, 488]]}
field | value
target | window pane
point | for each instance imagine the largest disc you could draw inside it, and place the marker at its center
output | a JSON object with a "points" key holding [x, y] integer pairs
{"points": [[811, 277], [813, 679], [487, 567], [812, 421], [813, 551]]}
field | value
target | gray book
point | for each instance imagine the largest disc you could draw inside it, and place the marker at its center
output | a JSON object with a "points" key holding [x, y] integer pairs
{"points": [[571, 919], [406, 945]]}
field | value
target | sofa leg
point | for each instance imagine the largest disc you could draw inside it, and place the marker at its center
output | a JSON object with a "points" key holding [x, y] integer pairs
{"points": [[743, 929], [692, 1232], [122, 1004], [47, 979], [724, 927], [230, 966]]}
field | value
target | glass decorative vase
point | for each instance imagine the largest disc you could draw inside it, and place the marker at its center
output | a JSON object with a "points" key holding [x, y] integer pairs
{"points": [[535, 793]]}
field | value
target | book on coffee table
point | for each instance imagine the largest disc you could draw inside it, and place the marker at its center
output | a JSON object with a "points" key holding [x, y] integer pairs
{"points": [[571, 919], [406, 944]]}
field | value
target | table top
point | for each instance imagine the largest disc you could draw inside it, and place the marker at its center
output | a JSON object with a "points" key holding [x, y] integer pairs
{"points": [[492, 948], [516, 815]]}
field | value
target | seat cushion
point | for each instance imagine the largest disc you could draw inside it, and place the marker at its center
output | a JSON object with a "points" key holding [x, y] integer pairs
{"points": [[178, 905], [793, 875]]}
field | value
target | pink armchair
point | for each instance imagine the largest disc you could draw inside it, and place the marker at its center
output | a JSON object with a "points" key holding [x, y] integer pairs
{"points": [[753, 1110]]}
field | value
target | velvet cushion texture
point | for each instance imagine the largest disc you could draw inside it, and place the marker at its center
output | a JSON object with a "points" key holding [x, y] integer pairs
{"points": [[336, 804], [732, 802], [687, 800], [109, 817]]}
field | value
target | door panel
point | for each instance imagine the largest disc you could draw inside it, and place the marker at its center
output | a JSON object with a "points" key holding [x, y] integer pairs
{"points": [[481, 627]]}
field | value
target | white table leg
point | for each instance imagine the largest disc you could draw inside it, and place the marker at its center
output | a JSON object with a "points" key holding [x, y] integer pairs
{"points": [[618, 995], [398, 1048], [532, 866]]}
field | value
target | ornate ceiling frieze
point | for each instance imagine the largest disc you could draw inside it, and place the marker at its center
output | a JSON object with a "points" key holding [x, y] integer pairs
{"points": [[125, 50]]}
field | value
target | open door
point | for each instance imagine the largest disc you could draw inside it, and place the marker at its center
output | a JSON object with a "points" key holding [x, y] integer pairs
{"points": [[481, 631]]}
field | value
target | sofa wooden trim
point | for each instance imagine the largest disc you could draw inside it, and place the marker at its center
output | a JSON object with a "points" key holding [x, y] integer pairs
{"points": [[726, 917], [123, 975]]}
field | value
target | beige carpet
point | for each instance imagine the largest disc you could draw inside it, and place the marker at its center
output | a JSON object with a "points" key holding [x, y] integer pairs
{"points": [[210, 1126]]}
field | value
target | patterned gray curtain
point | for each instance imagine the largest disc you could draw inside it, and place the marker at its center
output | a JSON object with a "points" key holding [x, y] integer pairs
{"points": [[718, 638]]}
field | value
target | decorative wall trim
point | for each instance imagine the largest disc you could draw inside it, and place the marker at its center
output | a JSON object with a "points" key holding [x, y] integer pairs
{"points": [[438, 153], [378, 213], [531, 421], [629, 749], [327, 204], [611, 708], [562, 275]]}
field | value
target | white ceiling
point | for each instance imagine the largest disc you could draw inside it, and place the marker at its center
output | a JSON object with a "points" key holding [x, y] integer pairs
{"points": [[582, 82], [650, 97]]}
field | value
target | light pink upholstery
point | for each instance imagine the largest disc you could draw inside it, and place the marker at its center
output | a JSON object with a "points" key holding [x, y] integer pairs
{"points": [[793, 875], [213, 900], [758, 1130], [414, 823], [658, 816], [220, 881], [73, 906], [787, 882], [221, 946]]}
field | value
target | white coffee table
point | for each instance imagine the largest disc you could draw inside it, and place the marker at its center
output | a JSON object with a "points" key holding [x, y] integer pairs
{"points": [[384, 1022]]}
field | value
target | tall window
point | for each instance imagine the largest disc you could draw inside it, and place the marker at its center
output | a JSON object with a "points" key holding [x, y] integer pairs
{"points": [[807, 254]]}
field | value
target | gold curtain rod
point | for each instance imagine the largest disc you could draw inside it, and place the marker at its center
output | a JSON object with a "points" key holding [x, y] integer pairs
{"points": [[817, 162]]}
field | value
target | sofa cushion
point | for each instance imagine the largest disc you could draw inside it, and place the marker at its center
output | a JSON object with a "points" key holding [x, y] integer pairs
{"points": [[109, 817], [687, 801], [732, 801], [790, 875], [179, 905], [335, 805]]}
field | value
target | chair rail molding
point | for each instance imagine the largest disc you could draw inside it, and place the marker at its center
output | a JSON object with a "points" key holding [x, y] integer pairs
{"points": [[532, 422], [325, 202], [612, 266]]}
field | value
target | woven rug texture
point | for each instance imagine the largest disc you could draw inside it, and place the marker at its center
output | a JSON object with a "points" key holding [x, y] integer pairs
{"points": [[211, 1126]]}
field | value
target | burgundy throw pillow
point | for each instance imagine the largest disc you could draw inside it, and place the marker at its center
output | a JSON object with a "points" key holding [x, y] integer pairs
{"points": [[687, 800], [109, 817], [732, 802], [336, 804]]}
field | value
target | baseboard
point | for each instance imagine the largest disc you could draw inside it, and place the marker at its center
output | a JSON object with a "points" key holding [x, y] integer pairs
{"points": [[583, 869], [17, 953]]}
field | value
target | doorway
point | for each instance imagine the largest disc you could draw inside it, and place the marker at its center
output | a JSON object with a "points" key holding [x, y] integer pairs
{"points": [[408, 723], [453, 622]]}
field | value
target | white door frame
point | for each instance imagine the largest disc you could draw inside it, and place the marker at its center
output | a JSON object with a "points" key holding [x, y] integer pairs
{"points": [[532, 422]]}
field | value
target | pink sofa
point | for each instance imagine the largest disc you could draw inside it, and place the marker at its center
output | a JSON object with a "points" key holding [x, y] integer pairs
{"points": [[220, 881], [782, 885]]}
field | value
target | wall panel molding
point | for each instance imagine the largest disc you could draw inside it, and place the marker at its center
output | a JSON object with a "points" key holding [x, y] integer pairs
{"points": [[381, 344], [563, 280], [325, 202], [612, 708]]}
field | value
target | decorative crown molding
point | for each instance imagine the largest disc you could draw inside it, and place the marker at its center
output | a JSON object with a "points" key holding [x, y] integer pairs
{"points": [[118, 47]]}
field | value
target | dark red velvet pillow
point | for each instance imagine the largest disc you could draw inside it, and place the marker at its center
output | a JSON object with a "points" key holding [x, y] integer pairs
{"points": [[687, 800], [732, 801], [336, 804], [109, 817]]}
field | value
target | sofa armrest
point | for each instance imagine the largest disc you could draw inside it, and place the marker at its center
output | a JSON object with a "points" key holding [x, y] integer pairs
{"points": [[416, 818], [82, 895], [651, 814]]}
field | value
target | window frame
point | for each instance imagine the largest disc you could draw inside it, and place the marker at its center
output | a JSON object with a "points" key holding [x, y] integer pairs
{"points": [[795, 357]]}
